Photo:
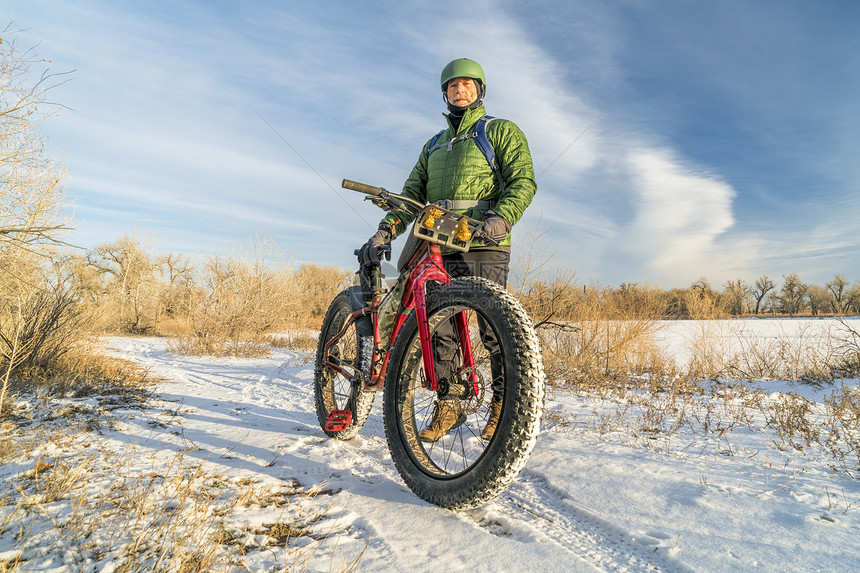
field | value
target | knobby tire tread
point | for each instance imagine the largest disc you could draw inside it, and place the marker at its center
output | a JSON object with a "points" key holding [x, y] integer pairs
{"points": [[517, 432], [338, 310]]}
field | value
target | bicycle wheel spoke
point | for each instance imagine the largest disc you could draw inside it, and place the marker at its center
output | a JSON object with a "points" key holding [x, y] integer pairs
{"points": [[461, 447], [340, 388]]}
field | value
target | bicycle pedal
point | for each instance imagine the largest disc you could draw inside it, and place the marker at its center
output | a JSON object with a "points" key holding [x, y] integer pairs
{"points": [[338, 420]]}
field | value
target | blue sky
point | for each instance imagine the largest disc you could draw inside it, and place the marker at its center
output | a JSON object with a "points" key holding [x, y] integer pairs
{"points": [[672, 140]]}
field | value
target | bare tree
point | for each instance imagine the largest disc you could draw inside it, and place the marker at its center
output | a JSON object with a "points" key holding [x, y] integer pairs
{"points": [[852, 298], [819, 299], [837, 288], [30, 204], [180, 275], [792, 295], [703, 287], [762, 286], [30, 181], [736, 294], [129, 274]]}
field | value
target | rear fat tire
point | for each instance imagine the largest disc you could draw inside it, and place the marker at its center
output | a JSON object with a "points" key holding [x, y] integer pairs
{"points": [[502, 458], [331, 390]]}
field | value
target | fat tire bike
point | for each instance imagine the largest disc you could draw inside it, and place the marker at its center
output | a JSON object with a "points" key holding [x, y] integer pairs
{"points": [[372, 339]]}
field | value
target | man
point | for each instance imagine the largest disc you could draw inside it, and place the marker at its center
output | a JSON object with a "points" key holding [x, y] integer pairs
{"points": [[454, 168]]}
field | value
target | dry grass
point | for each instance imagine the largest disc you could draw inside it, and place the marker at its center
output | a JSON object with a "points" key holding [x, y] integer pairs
{"points": [[83, 371], [610, 356], [76, 497], [721, 349], [301, 341], [45, 350], [214, 345], [641, 416]]}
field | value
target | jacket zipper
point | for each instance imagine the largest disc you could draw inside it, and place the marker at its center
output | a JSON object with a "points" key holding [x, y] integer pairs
{"points": [[448, 154]]}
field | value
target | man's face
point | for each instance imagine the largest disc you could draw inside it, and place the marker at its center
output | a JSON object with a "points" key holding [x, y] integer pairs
{"points": [[462, 91]]}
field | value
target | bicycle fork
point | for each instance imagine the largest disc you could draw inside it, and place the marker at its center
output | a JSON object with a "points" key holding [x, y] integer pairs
{"points": [[430, 269]]}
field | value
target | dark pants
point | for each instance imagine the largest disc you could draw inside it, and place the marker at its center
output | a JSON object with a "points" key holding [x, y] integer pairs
{"points": [[488, 264]]}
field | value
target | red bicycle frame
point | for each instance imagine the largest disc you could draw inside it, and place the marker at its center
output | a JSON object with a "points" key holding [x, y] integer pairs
{"points": [[426, 266]]}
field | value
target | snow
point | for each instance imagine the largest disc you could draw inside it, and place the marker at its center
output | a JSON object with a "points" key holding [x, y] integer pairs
{"points": [[593, 497]]}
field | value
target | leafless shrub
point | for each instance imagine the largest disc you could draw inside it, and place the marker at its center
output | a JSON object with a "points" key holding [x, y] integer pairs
{"points": [[757, 359], [848, 351], [241, 299], [590, 336], [313, 290], [40, 330], [793, 417], [550, 303], [37, 336], [711, 349], [703, 303], [602, 338], [724, 348], [842, 423]]}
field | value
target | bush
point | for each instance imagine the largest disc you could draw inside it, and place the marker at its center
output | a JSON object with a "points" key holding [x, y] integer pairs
{"points": [[245, 297], [44, 346]]}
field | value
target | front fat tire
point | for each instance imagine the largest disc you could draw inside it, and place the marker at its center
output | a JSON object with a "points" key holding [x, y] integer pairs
{"points": [[331, 390], [507, 452]]}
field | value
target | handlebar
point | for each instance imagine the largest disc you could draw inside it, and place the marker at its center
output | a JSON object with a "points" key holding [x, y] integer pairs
{"points": [[433, 223], [362, 188], [380, 196]]}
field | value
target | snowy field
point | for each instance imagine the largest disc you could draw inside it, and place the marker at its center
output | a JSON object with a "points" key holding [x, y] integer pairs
{"points": [[598, 494]]}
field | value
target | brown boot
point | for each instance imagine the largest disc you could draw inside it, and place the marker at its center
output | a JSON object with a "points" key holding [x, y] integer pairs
{"points": [[447, 415], [495, 414]]}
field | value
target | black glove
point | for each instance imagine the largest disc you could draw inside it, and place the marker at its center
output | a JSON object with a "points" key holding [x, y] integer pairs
{"points": [[496, 227], [369, 253], [381, 237]]}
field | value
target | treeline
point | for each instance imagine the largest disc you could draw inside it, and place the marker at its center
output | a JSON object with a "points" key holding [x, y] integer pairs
{"points": [[561, 299], [790, 297], [128, 289]]}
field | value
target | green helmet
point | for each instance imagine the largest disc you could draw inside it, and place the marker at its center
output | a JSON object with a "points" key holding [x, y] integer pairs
{"points": [[462, 68]]}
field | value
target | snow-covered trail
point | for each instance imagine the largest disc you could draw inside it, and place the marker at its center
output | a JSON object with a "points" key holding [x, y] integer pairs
{"points": [[257, 416], [581, 504]]}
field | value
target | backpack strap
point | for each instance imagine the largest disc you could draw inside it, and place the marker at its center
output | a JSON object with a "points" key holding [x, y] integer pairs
{"points": [[483, 143], [481, 140], [433, 145]]}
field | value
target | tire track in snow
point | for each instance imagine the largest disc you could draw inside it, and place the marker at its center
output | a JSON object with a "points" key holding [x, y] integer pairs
{"points": [[533, 501], [529, 504]]}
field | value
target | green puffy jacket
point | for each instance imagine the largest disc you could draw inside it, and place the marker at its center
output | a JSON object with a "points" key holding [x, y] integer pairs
{"points": [[462, 173]]}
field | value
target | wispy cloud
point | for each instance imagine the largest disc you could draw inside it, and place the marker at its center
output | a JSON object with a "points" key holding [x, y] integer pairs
{"points": [[679, 212], [659, 145]]}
